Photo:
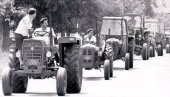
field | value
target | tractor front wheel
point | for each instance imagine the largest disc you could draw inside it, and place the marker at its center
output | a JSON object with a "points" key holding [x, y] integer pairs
{"points": [[151, 51], [159, 50], [167, 48], [106, 69], [6, 81], [61, 80], [127, 61], [145, 52]]}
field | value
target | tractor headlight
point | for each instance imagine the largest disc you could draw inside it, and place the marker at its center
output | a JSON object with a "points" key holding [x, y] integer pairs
{"points": [[48, 54], [18, 54], [11, 50], [10, 55]]}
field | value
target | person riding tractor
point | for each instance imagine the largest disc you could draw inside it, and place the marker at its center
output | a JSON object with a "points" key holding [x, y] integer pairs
{"points": [[38, 57], [90, 38]]}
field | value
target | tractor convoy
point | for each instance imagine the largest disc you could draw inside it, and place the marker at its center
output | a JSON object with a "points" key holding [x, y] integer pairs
{"points": [[119, 38]]}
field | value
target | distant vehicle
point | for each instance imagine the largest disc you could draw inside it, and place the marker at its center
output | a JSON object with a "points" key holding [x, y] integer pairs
{"points": [[136, 29], [157, 28]]}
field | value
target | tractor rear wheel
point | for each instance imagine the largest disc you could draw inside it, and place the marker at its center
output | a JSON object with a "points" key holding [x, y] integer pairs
{"points": [[61, 80], [106, 69], [13, 61], [6, 81], [19, 84], [73, 66]]}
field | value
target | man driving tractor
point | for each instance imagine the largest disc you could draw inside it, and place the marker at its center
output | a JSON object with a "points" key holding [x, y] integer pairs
{"points": [[90, 38], [44, 30]]}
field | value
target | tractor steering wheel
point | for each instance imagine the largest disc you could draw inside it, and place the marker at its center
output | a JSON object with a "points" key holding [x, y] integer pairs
{"points": [[40, 33]]}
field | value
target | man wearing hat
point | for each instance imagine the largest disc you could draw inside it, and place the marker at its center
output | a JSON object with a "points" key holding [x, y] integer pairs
{"points": [[22, 31], [44, 30], [90, 38]]}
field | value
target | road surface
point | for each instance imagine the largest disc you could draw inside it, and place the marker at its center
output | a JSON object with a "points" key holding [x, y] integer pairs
{"points": [[149, 78]]}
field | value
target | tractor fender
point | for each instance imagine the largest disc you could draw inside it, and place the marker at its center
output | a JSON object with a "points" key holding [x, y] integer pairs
{"points": [[90, 46]]}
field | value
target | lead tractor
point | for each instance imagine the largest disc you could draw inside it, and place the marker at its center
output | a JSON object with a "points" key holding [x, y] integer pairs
{"points": [[43, 59], [136, 26]]}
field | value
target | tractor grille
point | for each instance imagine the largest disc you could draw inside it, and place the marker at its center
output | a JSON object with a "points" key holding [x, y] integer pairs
{"points": [[32, 53], [87, 52], [87, 56]]}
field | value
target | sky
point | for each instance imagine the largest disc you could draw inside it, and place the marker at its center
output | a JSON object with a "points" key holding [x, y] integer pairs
{"points": [[166, 8]]}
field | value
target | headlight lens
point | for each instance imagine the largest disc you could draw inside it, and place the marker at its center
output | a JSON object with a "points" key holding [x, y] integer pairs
{"points": [[48, 54], [18, 54]]}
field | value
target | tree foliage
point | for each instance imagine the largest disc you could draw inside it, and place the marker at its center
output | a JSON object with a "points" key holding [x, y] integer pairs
{"points": [[64, 12]]}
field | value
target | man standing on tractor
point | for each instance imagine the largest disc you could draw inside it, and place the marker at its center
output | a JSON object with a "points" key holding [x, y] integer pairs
{"points": [[90, 38], [22, 31]]}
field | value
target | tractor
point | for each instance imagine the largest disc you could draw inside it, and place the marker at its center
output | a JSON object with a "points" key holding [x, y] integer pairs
{"points": [[114, 33], [167, 42], [114, 43], [42, 58], [136, 25], [157, 28]]}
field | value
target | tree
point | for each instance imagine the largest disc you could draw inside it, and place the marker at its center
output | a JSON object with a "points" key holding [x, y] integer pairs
{"points": [[64, 12]]}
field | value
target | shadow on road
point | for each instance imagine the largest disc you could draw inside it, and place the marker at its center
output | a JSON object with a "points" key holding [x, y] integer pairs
{"points": [[122, 69], [41, 94], [93, 78]]}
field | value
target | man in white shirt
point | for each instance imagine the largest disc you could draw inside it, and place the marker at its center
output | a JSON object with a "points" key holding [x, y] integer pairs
{"points": [[22, 31], [44, 30], [90, 38]]}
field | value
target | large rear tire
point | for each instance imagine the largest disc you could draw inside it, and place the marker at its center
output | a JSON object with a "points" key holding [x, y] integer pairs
{"points": [[106, 69], [127, 59], [61, 80], [145, 52], [6, 81], [74, 68], [13, 61], [167, 48], [159, 50], [19, 83]]}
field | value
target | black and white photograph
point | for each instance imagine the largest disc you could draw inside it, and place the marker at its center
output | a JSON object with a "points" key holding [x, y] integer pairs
{"points": [[85, 48]]}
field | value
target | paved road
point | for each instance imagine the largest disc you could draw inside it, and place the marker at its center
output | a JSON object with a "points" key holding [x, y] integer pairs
{"points": [[147, 79]]}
